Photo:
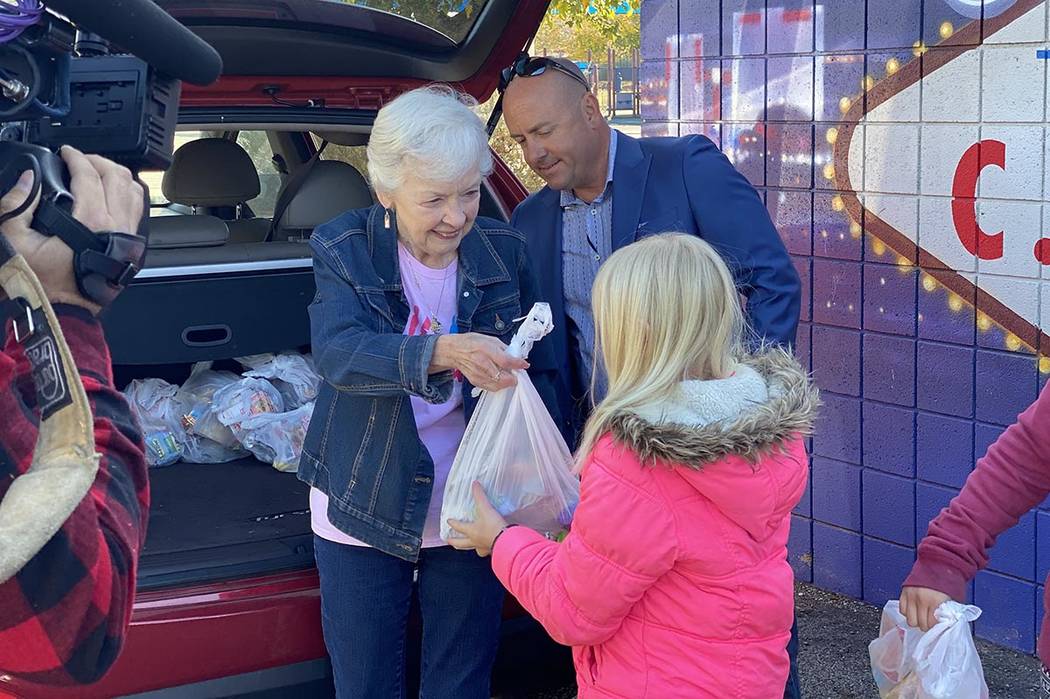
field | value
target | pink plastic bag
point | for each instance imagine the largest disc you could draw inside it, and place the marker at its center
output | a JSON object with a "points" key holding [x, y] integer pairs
{"points": [[514, 449], [941, 663]]}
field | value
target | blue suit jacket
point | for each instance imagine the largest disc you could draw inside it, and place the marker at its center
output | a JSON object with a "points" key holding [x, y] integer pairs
{"points": [[684, 185]]}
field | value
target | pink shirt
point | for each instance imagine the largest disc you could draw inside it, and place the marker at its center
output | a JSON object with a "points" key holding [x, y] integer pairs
{"points": [[430, 293]]}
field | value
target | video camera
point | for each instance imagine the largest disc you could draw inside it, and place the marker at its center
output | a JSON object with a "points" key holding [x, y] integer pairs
{"points": [[99, 75], [102, 76]]}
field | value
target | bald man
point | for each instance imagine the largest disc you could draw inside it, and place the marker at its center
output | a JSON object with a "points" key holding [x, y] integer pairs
{"points": [[606, 190]]}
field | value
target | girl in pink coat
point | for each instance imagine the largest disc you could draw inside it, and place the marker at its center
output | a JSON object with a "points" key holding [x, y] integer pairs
{"points": [[674, 580]]}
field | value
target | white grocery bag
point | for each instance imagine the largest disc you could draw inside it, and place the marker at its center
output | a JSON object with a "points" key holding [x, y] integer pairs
{"points": [[514, 449], [941, 663]]}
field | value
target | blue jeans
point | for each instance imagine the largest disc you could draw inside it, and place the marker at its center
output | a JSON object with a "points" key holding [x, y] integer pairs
{"points": [[365, 600], [793, 690]]}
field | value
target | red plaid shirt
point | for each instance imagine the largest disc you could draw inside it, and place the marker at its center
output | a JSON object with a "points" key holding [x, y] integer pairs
{"points": [[64, 616]]}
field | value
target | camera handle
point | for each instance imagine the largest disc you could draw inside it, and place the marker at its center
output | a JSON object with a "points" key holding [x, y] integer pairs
{"points": [[104, 263]]}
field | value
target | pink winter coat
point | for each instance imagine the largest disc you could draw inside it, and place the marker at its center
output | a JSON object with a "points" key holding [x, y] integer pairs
{"points": [[674, 580]]}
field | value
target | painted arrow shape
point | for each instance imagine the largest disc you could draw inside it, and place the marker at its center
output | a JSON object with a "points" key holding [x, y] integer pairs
{"points": [[979, 231]]}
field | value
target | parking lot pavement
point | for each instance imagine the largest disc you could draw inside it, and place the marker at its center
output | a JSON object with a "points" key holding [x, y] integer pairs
{"points": [[834, 633]]}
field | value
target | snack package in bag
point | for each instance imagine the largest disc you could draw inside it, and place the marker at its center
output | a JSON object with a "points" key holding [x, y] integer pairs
{"points": [[248, 397], [277, 438], [208, 441], [153, 402], [514, 449], [941, 663]]}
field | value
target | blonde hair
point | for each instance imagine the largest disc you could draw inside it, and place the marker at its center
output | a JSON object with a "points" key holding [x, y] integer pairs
{"points": [[433, 130], [665, 310]]}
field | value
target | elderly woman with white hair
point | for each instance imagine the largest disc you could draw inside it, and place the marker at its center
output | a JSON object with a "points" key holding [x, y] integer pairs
{"points": [[416, 298]]}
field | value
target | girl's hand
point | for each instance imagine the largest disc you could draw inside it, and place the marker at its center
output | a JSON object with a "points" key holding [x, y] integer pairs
{"points": [[919, 603], [482, 532]]}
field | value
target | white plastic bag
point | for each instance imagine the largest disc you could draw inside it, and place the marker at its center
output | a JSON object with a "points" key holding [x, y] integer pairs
{"points": [[514, 449], [941, 663], [238, 401], [292, 374], [277, 438], [153, 402], [207, 440]]}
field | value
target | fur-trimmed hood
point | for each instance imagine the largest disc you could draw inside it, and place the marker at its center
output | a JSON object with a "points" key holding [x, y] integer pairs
{"points": [[756, 415], [692, 432]]}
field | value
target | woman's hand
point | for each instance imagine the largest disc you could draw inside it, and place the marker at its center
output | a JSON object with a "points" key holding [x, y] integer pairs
{"points": [[482, 532], [919, 603], [480, 358]]}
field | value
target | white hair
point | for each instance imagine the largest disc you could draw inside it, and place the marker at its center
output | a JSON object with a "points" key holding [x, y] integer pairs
{"points": [[433, 129]]}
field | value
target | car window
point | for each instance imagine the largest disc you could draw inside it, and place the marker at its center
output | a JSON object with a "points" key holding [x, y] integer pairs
{"points": [[357, 156], [451, 18], [258, 147], [255, 143]]}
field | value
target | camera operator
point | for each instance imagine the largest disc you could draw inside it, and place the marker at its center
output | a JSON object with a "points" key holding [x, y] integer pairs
{"points": [[64, 615]]}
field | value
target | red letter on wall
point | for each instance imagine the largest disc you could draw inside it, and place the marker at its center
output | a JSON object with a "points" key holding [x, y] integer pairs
{"points": [[964, 192]]}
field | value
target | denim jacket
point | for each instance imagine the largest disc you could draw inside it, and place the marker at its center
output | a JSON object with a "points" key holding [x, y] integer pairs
{"points": [[362, 448]]}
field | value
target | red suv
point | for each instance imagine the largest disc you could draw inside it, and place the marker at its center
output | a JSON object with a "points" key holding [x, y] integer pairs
{"points": [[228, 599]]}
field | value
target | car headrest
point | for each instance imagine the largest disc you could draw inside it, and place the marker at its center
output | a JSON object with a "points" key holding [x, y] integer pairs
{"points": [[211, 172], [331, 188]]}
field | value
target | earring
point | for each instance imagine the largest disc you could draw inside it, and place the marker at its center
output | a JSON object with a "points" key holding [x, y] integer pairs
{"points": [[386, 218]]}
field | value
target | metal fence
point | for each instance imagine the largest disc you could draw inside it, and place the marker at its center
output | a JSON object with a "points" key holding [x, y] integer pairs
{"points": [[614, 81]]}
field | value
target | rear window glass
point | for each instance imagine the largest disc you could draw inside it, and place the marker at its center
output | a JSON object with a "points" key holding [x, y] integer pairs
{"points": [[356, 156], [451, 18]]}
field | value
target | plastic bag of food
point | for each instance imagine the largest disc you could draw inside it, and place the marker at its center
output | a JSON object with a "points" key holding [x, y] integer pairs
{"points": [[941, 663], [277, 438], [208, 441], [292, 374], [236, 402], [514, 449], [153, 403]]}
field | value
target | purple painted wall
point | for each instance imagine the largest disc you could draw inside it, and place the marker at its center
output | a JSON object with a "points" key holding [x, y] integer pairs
{"points": [[892, 140]]}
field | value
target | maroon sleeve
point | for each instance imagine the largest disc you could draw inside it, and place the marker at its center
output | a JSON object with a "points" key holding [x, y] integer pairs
{"points": [[64, 616], [1011, 479]]}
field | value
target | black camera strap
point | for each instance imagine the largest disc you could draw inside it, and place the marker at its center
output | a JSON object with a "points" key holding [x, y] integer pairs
{"points": [[104, 263]]}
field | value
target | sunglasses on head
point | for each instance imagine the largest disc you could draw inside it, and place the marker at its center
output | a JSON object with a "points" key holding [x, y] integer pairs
{"points": [[527, 67]]}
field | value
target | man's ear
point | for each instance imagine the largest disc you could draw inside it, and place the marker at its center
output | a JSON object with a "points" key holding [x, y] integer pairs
{"points": [[592, 110]]}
